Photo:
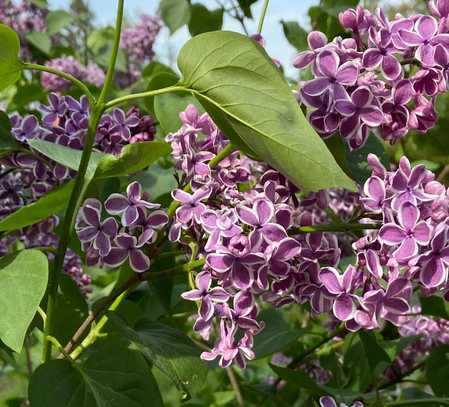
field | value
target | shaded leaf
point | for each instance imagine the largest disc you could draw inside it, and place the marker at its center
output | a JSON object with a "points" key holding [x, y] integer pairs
{"points": [[10, 65], [7, 141], [40, 40], [276, 335], [169, 350], [437, 370], [174, 13], [58, 19], [435, 306], [203, 20], [232, 74], [295, 34], [112, 376], [23, 280]]}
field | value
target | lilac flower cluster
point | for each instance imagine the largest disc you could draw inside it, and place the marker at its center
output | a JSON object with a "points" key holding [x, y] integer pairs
{"points": [[385, 78], [26, 176], [91, 73], [138, 40], [22, 17], [110, 242], [246, 235]]}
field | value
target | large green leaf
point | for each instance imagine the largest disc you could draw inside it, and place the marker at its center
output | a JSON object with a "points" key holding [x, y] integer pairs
{"points": [[174, 13], [236, 81], [10, 65], [133, 158], [169, 350], [50, 204], [112, 376], [23, 280], [377, 357]]}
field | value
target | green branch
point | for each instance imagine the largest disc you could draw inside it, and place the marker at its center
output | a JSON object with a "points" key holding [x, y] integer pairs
{"points": [[77, 193], [146, 94], [262, 16], [81, 85], [420, 402], [113, 58]]}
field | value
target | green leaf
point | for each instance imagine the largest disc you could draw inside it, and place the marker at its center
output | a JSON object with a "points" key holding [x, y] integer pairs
{"points": [[357, 160], [295, 34], [203, 20], [377, 358], [437, 370], [7, 141], [58, 19], [71, 307], [435, 306], [276, 335], [133, 158], [40, 40], [66, 156], [167, 108], [169, 350], [23, 280], [300, 379], [10, 65], [159, 80], [245, 5], [174, 13], [50, 204], [156, 67], [236, 81], [112, 376]]}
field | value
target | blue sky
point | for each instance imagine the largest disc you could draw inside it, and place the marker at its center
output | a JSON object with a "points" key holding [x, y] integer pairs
{"points": [[167, 47]]}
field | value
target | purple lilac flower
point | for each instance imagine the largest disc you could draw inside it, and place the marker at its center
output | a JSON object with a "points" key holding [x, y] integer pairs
{"points": [[138, 40], [376, 59], [127, 206]]}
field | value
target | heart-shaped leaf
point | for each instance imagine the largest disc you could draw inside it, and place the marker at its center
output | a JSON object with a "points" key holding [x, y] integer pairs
{"points": [[243, 91], [112, 376], [23, 280], [10, 65]]}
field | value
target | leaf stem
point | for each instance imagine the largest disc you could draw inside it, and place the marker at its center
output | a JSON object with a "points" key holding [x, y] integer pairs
{"points": [[235, 386], [335, 227], [262, 16], [134, 96], [78, 192], [310, 351], [81, 85], [95, 331], [127, 286], [113, 58]]}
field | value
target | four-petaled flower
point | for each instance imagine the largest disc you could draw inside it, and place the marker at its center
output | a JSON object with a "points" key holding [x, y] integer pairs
{"points": [[409, 234], [127, 206]]}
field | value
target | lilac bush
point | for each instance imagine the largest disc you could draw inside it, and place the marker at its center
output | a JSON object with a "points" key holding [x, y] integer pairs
{"points": [[204, 228]]}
